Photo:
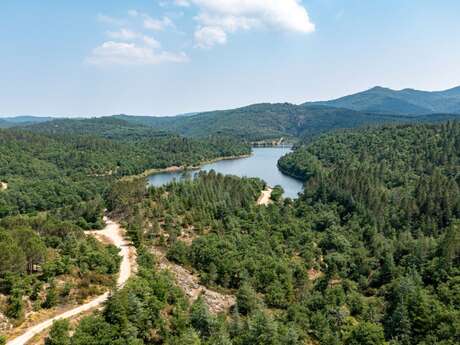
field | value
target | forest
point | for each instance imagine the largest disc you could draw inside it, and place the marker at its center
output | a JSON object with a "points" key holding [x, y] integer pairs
{"points": [[369, 254], [268, 121], [53, 187], [64, 165]]}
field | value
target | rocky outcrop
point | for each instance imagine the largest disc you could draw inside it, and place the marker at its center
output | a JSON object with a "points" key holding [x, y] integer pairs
{"points": [[5, 324], [189, 283]]}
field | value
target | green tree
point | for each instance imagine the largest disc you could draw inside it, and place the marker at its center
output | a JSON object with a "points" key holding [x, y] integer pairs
{"points": [[51, 299], [12, 258], [59, 333], [366, 333], [246, 299], [201, 319]]}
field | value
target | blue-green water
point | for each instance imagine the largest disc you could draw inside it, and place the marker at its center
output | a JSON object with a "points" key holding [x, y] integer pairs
{"points": [[262, 164]]}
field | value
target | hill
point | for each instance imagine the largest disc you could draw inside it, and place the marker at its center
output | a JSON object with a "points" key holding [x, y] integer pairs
{"points": [[263, 121], [45, 170], [251, 123], [371, 245], [267, 121], [8, 122], [105, 127], [407, 101]]}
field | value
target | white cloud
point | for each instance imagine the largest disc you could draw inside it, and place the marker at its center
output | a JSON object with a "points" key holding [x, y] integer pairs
{"points": [[151, 42], [233, 15], [123, 35], [208, 36], [229, 23], [285, 14], [128, 47], [129, 36], [157, 24], [121, 53], [182, 3]]}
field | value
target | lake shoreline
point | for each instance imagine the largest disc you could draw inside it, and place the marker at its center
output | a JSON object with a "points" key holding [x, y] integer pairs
{"points": [[261, 164], [291, 174], [175, 168]]}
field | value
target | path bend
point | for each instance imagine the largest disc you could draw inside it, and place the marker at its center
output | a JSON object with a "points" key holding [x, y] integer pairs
{"points": [[115, 235]]}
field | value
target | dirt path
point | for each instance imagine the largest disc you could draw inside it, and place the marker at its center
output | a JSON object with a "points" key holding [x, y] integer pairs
{"points": [[114, 234], [264, 198], [189, 283]]}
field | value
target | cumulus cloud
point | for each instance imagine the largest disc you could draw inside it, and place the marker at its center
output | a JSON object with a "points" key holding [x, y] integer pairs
{"points": [[229, 23], [227, 16], [151, 42], [182, 3], [122, 53], [123, 34], [208, 36], [157, 24], [284, 14], [128, 47]]}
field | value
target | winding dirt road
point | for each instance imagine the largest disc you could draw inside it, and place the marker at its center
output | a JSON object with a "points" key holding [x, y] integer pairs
{"points": [[114, 234]]}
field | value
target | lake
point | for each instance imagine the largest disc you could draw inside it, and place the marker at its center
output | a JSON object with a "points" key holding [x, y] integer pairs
{"points": [[262, 164]]}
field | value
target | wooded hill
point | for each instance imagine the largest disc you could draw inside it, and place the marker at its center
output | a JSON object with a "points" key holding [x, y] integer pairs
{"points": [[407, 101], [369, 254], [44, 171], [265, 121], [57, 178]]}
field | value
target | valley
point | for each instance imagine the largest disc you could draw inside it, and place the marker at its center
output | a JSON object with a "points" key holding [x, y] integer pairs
{"points": [[230, 172], [230, 248]]}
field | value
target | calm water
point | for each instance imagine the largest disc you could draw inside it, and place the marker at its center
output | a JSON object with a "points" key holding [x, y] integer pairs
{"points": [[262, 164]]}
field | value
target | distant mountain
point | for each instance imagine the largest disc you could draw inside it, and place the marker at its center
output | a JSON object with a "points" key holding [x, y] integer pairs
{"points": [[106, 127], [264, 121], [7, 122], [407, 101], [267, 121]]}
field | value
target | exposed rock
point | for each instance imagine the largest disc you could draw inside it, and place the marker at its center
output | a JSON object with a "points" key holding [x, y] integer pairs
{"points": [[189, 283], [265, 197], [5, 324]]}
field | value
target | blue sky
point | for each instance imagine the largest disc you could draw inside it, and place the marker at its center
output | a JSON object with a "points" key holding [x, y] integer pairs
{"points": [[163, 57]]}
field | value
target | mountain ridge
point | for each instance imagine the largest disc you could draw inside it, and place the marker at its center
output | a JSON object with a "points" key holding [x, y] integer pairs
{"points": [[261, 121], [406, 101]]}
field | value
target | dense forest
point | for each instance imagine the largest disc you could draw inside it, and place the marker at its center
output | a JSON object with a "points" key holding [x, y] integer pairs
{"points": [[54, 182], [369, 254], [267, 121], [68, 168]]}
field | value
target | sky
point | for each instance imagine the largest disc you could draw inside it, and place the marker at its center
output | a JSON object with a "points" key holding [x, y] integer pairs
{"points": [[165, 57]]}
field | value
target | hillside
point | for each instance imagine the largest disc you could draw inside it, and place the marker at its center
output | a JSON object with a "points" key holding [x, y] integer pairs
{"points": [[407, 101], [266, 121], [105, 127], [262, 121], [45, 171], [368, 255], [8, 122]]}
